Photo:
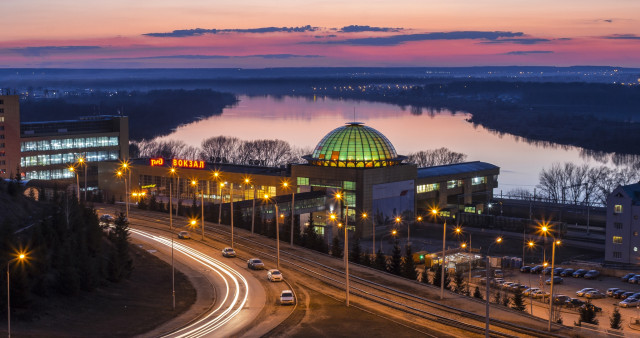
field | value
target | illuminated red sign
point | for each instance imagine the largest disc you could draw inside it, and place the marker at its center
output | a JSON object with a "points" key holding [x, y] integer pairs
{"points": [[191, 164], [155, 162]]}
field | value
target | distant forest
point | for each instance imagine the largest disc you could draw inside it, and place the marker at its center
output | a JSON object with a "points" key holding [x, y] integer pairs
{"points": [[151, 113]]}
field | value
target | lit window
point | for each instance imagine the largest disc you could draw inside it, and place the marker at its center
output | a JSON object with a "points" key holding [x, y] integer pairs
{"points": [[617, 240], [617, 209], [427, 187], [452, 184], [478, 180], [303, 181], [349, 185], [470, 210]]}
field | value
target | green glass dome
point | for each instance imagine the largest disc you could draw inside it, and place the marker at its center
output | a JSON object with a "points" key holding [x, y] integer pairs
{"points": [[354, 145]]}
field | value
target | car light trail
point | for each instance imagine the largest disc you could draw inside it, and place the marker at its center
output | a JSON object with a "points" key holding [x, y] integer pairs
{"points": [[236, 295]]}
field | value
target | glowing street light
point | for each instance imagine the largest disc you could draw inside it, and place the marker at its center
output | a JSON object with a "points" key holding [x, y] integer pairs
{"points": [[458, 231], [276, 218], [444, 239], [373, 232], [340, 197], [546, 231], [194, 183], [488, 265], [21, 257], [285, 185], [82, 162], [172, 172], [73, 170]]}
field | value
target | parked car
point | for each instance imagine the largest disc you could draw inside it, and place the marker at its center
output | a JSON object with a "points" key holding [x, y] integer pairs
{"points": [[634, 279], [255, 264], [560, 299], [274, 275], [618, 293], [537, 269], [286, 297], [592, 274], [579, 273], [528, 291], [106, 219], [595, 308], [594, 295], [610, 291], [556, 280], [557, 271], [515, 286], [520, 287], [629, 302], [626, 295], [228, 252], [567, 272], [575, 302], [581, 293], [626, 277], [546, 271], [539, 294], [525, 268], [184, 235], [498, 274], [506, 285]]}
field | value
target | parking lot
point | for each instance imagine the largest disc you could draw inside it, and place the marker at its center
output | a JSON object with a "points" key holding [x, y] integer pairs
{"points": [[568, 287]]}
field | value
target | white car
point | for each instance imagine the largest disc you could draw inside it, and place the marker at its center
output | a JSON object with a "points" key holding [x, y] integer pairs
{"points": [[594, 294], [539, 294], [274, 275], [286, 297], [228, 252], [584, 291]]}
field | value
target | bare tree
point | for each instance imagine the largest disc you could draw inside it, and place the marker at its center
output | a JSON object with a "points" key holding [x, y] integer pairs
{"points": [[221, 148], [440, 156]]}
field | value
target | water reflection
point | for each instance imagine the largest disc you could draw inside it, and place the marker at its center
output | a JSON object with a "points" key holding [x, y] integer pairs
{"points": [[304, 121]]}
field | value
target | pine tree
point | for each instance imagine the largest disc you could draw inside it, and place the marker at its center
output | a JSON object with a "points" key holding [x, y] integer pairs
{"points": [[356, 251], [142, 204], [408, 266], [497, 299], [477, 294], [616, 319], [424, 276], [395, 265], [437, 276], [458, 281], [518, 300], [506, 300], [336, 249], [588, 313], [365, 259], [380, 261], [120, 262]]}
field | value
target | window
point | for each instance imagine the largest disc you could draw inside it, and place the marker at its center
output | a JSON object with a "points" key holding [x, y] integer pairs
{"points": [[1, 101], [470, 210], [90, 142], [617, 225], [427, 187], [451, 184], [56, 144], [1, 110], [478, 180], [617, 254], [617, 209], [617, 240], [1, 118], [113, 141], [349, 185], [303, 180]]}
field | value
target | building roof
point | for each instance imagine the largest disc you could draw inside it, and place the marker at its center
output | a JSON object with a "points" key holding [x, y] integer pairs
{"points": [[452, 169], [354, 145], [633, 190]]}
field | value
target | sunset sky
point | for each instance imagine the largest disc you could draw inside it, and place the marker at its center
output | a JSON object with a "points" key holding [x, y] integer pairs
{"points": [[292, 33]]}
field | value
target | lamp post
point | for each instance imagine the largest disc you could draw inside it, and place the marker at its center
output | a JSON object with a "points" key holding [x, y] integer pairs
{"points": [[293, 197], [458, 231], [531, 244], [125, 167], [220, 186], [75, 171], [340, 197], [20, 257], [545, 230], [276, 217], [364, 216], [231, 208], [444, 240], [83, 163], [195, 184], [488, 265], [172, 172], [393, 233]]}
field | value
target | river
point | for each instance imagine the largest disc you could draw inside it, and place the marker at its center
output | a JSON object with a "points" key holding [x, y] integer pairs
{"points": [[303, 122]]}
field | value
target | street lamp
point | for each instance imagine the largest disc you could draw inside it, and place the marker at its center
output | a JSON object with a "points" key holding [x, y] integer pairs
{"points": [[220, 186], [531, 245], [73, 170], [373, 233], [247, 181], [398, 221], [340, 197], [21, 257], [545, 230], [195, 184], [82, 162], [488, 266], [172, 172], [444, 239], [285, 185], [276, 218], [458, 231], [125, 167], [393, 233]]}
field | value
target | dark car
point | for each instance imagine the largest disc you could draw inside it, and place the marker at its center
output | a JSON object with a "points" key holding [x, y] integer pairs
{"points": [[525, 268], [574, 303], [579, 273], [557, 271], [595, 308], [626, 295], [567, 272], [626, 277], [610, 291], [537, 269], [618, 293], [561, 299], [255, 264], [634, 279], [546, 271], [556, 280], [592, 274]]}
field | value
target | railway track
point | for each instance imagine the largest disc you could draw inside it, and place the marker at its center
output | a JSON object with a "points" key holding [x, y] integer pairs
{"points": [[330, 272]]}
